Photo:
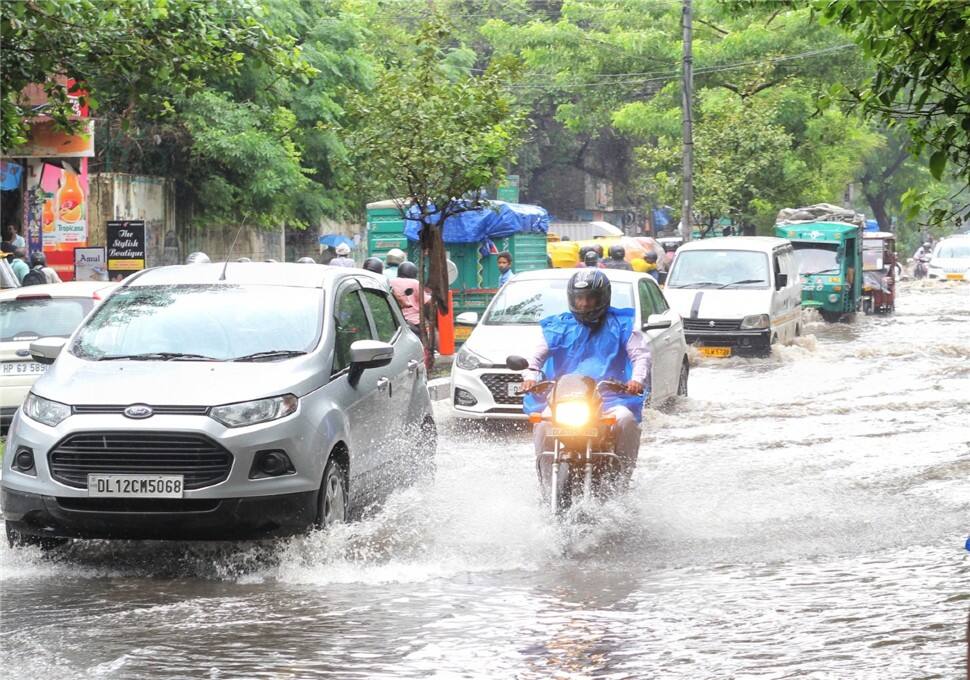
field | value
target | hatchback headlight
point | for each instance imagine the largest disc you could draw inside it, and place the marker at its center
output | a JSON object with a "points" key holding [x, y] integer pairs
{"points": [[254, 412], [44, 410], [467, 360], [755, 321], [572, 413]]}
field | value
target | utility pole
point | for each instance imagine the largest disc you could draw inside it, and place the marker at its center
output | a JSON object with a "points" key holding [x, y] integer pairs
{"points": [[687, 87]]}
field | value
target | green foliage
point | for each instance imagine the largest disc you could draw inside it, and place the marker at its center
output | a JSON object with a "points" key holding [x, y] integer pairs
{"points": [[922, 81]]}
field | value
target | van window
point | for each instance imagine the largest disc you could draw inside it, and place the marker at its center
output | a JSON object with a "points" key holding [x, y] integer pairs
{"points": [[719, 269], [380, 310], [352, 325]]}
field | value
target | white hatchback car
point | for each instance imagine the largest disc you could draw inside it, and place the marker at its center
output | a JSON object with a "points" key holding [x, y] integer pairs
{"points": [[31, 312], [951, 259], [481, 385]]}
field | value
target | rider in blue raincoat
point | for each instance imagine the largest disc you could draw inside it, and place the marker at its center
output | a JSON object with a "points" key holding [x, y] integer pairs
{"points": [[599, 341]]}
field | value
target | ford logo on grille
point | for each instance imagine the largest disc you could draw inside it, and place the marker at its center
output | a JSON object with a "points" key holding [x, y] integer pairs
{"points": [[139, 411], [23, 352]]}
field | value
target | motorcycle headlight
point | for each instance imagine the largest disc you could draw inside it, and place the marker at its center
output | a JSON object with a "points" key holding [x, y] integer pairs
{"points": [[257, 411], [44, 410], [467, 360], [572, 413], [755, 321]]}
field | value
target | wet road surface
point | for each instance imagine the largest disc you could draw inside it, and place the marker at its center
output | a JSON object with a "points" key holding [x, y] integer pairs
{"points": [[800, 516]]}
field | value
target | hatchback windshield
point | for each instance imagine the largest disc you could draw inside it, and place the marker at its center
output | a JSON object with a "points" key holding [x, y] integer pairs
{"points": [[719, 269], [954, 248], [527, 302], [817, 258], [217, 322], [41, 317]]}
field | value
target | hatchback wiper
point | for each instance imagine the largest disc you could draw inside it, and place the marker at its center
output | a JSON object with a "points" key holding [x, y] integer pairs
{"points": [[270, 354], [738, 283], [158, 356]]}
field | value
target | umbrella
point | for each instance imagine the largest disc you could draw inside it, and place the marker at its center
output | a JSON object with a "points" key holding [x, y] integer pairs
{"points": [[334, 240]]}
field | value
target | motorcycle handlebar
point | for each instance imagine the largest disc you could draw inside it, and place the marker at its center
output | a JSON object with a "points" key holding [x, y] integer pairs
{"points": [[544, 385]]}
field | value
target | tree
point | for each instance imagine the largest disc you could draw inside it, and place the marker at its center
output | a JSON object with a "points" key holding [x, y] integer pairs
{"points": [[129, 55], [922, 81], [432, 142]]}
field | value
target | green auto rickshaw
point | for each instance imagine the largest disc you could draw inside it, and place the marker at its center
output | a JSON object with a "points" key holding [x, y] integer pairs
{"points": [[829, 256]]}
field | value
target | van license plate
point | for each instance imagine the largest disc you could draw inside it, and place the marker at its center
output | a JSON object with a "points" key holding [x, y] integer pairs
{"points": [[135, 486], [514, 389], [23, 368], [715, 351], [955, 277]]}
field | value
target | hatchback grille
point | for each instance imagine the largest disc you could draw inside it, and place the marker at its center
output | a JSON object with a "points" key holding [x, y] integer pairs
{"points": [[197, 458], [497, 384], [712, 324]]}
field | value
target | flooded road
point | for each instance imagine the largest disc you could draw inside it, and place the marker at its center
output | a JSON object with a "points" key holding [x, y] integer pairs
{"points": [[802, 515]]}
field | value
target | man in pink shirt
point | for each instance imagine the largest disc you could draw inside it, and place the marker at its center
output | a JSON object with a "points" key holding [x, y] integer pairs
{"points": [[406, 289]]}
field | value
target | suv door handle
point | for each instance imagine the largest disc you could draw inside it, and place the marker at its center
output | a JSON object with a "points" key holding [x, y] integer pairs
{"points": [[413, 365]]}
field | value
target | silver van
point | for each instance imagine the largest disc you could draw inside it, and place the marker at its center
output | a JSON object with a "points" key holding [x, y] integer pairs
{"points": [[217, 401]]}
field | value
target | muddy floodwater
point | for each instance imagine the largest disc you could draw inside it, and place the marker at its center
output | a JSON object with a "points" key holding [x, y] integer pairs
{"points": [[799, 516]]}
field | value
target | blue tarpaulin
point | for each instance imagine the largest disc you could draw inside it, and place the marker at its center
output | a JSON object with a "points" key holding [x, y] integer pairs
{"points": [[498, 220], [334, 240], [872, 225]]}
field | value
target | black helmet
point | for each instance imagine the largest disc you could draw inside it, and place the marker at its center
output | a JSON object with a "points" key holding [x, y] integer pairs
{"points": [[590, 258], [407, 270], [650, 256], [37, 259], [591, 283], [617, 252], [374, 264]]}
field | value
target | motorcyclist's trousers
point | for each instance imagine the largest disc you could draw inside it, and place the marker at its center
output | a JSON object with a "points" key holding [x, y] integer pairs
{"points": [[626, 447]]}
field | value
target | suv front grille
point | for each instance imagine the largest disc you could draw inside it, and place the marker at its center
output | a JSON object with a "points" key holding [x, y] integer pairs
{"points": [[497, 384], [200, 461], [712, 324], [86, 409]]}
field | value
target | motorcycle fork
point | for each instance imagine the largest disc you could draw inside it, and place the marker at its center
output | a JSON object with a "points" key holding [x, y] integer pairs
{"points": [[554, 477], [588, 476]]}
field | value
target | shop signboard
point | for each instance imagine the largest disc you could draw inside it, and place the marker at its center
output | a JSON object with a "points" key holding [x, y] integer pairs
{"points": [[126, 247], [90, 264]]}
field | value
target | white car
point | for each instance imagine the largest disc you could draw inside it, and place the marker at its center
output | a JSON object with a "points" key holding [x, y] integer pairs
{"points": [[481, 385], [31, 312], [951, 259]]}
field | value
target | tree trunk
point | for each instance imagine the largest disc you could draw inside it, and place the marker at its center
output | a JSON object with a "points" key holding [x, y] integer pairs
{"points": [[877, 202]]}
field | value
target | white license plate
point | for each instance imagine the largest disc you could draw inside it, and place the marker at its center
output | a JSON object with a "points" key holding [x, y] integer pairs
{"points": [[567, 432], [515, 389], [23, 368], [135, 486]]}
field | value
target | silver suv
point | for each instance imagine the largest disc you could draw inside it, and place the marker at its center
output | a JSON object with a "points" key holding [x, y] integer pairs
{"points": [[218, 401]]}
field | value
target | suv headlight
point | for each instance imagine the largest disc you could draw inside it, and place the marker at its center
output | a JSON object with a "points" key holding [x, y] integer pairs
{"points": [[44, 410], [467, 360], [755, 321], [254, 412]]}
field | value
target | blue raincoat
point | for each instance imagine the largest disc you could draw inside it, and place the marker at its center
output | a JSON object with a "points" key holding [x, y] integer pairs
{"points": [[599, 354]]}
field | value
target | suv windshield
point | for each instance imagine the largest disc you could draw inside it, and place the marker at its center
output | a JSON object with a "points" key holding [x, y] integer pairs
{"points": [[41, 317], [816, 258], [718, 269], [218, 322], [527, 302]]}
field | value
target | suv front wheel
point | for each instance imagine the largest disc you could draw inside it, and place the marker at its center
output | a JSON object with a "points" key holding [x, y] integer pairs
{"points": [[332, 500]]}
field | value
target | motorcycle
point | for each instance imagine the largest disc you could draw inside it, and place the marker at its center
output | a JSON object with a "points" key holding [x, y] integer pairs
{"points": [[921, 269], [582, 459]]}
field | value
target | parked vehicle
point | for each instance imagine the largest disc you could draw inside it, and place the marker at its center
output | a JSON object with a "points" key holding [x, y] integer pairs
{"points": [[32, 312], [583, 439], [737, 295], [218, 401], [879, 272], [951, 259], [829, 256], [483, 387]]}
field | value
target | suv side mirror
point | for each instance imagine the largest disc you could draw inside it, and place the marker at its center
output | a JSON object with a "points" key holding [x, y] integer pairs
{"points": [[45, 350], [467, 319], [781, 280], [656, 322], [366, 354]]}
